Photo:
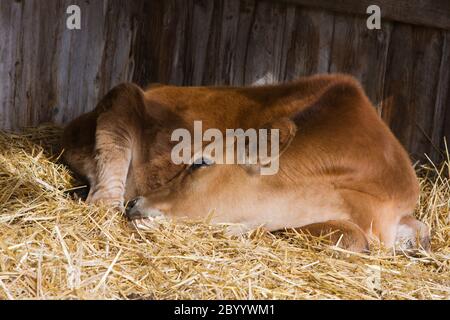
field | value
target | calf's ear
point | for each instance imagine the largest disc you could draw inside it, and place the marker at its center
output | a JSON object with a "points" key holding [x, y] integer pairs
{"points": [[286, 132], [276, 140]]}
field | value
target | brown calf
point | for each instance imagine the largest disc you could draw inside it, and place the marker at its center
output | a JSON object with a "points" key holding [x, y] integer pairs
{"points": [[341, 168]]}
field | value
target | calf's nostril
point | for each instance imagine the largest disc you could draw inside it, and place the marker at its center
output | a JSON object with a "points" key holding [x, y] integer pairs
{"points": [[131, 204]]}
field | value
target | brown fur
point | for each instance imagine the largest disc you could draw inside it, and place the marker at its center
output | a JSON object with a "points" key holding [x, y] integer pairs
{"points": [[341, 167]]}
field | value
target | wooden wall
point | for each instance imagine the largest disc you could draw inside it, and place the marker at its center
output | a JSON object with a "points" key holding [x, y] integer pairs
{"points": [[48, 73]]}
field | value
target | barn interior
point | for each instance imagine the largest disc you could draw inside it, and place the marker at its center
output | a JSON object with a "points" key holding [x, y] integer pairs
{"points": [[53, 246]]}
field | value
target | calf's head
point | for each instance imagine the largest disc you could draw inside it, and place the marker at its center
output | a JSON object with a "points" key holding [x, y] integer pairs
{"points": [[233, 191]]}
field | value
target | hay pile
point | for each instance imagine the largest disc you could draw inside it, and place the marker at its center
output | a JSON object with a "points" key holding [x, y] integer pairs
{"points": [[53, 247]]}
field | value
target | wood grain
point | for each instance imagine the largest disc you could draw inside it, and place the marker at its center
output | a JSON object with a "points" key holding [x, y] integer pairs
{"points": [[441, 122], [308, 43], [50, 73], [263, 45], [361, 52], [430, 13], [411, 86]]}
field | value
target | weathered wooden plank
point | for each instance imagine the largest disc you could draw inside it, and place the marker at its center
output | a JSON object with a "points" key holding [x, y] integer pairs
{"points": [[167, 41], [7, 63], [147, 46], [431, 13], [195, 40], [245, 23], [411, 86], [265, 44], [208, 59], [175, 40], [441, 121], [308, 43], [361, 52], [33, 100], [18, 37], [78, 59], [229, 31], [119, 38]]}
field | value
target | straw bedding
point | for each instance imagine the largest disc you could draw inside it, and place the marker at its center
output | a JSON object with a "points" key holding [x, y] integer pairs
{"points": [[55, 247]]}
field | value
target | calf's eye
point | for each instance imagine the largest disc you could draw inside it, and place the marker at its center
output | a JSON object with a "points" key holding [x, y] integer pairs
{"points": [[204, 162]]}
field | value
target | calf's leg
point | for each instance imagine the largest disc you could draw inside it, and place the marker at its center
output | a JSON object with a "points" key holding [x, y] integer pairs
{"points": [[342, 232], [117, 127], [112, 157]]}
